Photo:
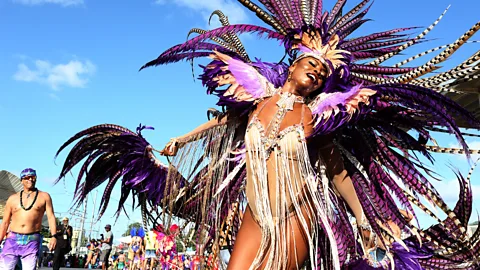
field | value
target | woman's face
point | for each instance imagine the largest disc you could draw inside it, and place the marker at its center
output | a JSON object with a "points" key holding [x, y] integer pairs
{"points": [[309, 74]]}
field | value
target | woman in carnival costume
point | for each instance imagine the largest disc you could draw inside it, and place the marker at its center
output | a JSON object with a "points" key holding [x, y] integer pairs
{"points": [[137, 248], [93, 253], [303, 148]]}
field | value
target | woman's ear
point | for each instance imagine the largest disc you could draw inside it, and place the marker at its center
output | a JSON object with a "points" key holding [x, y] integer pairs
{"points": [[292, 67]]}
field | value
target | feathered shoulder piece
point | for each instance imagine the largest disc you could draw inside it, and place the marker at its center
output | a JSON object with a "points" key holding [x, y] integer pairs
{"points": [[337, 108], [246, 83]]}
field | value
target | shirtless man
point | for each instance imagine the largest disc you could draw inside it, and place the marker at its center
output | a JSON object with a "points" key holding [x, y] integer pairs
{"points": [[22, 222], [121, 262]]}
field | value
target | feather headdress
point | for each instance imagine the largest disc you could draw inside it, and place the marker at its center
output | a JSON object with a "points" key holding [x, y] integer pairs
{"points": [[139, 232], [311, 44]]}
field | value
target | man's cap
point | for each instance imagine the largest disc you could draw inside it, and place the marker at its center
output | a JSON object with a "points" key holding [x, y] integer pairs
{"points": [[28, 172], [108, 226], [65, 218]]}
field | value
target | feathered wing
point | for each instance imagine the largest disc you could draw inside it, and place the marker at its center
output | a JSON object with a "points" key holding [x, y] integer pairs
{"points": [[372, 128], [112, 153], [201, 183], [246, 80]]}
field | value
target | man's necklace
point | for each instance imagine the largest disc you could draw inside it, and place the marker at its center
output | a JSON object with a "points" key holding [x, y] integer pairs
{"points": [[28, 196]]}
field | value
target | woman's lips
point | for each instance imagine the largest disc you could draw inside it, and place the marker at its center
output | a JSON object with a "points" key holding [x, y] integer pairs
{"points": [[313, 77]]}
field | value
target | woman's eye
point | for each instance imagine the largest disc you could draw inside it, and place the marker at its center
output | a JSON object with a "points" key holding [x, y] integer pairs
{"points": [[312, 63]]}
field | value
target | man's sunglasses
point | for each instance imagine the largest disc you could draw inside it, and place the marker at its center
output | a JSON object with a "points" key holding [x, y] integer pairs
{"points": [[29, 178]]}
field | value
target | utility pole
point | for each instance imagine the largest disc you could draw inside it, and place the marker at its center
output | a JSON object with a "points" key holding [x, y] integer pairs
{"points": [[93, 214], [80, 235]]}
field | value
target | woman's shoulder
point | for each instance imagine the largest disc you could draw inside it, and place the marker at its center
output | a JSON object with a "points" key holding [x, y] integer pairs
{"points": [[307, 112], [308, 120]]}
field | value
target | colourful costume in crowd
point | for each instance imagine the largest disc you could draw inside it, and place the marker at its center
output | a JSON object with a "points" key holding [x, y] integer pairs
{"points": [[150, 244], [167, 246], [368, 110], [136, 251]]}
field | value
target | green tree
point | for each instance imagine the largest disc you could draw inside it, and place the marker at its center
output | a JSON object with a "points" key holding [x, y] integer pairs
{"points": [[46, 230], [129, 228], [84, 242]]}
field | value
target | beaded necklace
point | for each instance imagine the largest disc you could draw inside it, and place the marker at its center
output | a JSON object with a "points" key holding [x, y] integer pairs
{"points": [[33, 202]]}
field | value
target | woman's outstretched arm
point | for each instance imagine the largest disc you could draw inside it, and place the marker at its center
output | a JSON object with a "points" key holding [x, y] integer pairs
{"points": [[172, 146], [335, 169]]}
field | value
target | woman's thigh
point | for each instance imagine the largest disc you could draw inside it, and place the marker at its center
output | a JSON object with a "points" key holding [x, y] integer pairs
{"points": [[249, 239], [247, 243], [298, 249]]}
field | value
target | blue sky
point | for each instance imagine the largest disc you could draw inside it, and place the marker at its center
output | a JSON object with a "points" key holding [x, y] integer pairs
{"points": [[70, 64]]}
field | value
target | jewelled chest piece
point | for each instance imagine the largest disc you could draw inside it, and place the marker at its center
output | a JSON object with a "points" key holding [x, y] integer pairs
{"points": [[285, 104]]}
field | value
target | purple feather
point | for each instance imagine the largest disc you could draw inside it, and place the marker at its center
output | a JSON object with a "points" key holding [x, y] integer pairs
{"points": [[246, 76], [335, 99]]}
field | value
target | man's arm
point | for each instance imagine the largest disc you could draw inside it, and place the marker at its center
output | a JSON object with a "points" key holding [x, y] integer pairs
{"points": [[52, 222], [69, 231], [7, 216]]}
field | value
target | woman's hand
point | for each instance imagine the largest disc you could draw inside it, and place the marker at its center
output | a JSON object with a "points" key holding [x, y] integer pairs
{"points": [[369, 238], [170, 149]]}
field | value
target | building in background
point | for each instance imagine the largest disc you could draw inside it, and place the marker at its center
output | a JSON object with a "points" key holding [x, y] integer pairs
{"points": [[9, 184], [78, 236]]}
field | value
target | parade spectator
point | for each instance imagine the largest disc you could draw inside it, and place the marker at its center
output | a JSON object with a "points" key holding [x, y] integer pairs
{"points": [[151, 247], [64, 243], [120, 263], [106, 247], [22, 223]]}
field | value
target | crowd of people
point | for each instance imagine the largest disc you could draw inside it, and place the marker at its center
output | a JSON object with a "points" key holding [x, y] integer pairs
{"points": [[159, 262], [148, 250], [155, 249]]}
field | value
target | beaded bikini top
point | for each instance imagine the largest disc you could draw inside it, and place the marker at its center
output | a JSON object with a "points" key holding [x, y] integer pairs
{"points": [[271, 135]]}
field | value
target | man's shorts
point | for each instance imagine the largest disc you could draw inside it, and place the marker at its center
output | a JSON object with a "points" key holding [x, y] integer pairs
{"points": [[150, 253], [20, 246], [121, 265], [105, 255]]}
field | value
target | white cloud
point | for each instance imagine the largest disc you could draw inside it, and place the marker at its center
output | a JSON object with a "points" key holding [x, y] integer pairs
{"points": [[72, 74], [449, 190], [234, 12], [64, 3]]}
